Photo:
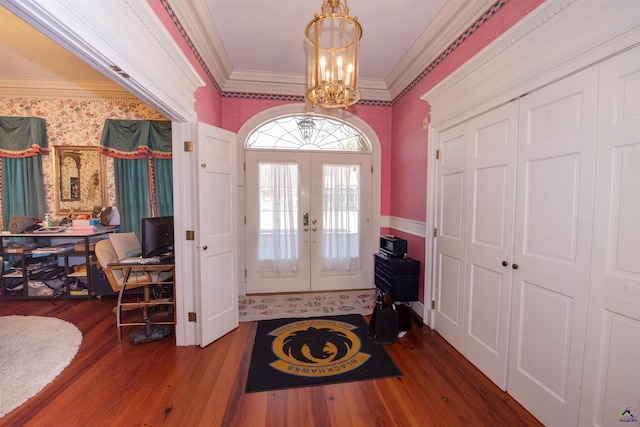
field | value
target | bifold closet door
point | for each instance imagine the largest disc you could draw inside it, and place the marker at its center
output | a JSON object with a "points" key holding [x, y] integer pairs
{"points": [[450, 248], [487, 289], [476, 179], [611, 376], [554, 213]]}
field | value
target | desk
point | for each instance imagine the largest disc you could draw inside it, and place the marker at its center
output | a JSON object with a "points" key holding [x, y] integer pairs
{"points": [[159, 274], [38, 246]]}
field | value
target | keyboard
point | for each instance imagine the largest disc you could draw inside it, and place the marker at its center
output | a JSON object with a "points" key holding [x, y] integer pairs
{"points": [[139, 260]]}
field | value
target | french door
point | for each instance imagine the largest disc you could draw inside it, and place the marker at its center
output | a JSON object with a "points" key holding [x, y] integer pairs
{"points": [[308, 221]]}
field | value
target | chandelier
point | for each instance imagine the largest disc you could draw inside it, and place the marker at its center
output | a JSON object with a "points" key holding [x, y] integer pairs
{"points": [[333, 39]]}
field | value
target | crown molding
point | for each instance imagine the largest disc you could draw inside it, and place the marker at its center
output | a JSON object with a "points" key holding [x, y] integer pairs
{"points": [[63, 89], [452, 21], [286, 84], [204, 35], [556, 39], [103, 34]]}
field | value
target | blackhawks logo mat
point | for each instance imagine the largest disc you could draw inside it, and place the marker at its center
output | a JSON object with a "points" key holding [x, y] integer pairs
{"points": [[317, 348]]}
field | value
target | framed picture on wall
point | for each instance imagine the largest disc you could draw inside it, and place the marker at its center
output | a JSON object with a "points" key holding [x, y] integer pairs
{"points": [[79, 179]]}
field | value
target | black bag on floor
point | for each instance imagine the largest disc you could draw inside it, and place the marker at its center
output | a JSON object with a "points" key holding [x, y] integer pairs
{"points": [[383, 326]]}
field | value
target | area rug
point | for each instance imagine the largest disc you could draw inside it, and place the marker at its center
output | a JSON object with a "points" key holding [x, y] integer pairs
{"points": [[33, 351], [316, 304], [290, 353]]}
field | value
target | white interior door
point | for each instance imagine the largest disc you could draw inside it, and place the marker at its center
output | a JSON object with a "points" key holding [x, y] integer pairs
{"points": [[450, 248], [487, 287], [218, 291], [293, 249], [554, 212], [611, 375]]}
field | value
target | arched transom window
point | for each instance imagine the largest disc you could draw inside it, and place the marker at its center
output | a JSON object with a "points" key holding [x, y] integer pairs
{"points": [[307, 132]]}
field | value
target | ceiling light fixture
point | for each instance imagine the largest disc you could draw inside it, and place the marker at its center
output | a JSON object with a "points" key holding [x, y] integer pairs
{"points": [[332, 54]]}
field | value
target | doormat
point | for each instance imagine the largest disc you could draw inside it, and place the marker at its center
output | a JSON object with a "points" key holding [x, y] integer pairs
{"points": [[290, 353]]}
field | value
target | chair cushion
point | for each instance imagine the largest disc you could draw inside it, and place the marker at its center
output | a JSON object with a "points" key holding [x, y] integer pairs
{"points": [[105, 253], [125, 245]]}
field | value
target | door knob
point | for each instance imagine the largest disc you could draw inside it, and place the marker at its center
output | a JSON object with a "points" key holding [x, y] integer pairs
{"points": [[505, 263], [314, 228], [306, 229], [204, 248], [204, 165], [515, 266]]}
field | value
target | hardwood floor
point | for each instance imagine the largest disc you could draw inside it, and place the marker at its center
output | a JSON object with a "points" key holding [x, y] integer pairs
{"points": [[153, 384]]}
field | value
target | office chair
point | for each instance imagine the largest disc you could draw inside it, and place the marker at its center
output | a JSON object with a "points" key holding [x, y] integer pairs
{"points": [[117, 274]]}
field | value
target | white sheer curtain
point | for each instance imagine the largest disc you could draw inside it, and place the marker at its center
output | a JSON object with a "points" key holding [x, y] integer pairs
{"points": [[341, 217], [278, 238]]}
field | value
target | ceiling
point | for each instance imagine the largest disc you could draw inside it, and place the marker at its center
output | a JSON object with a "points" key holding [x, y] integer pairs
{"points": [[249, 43]]}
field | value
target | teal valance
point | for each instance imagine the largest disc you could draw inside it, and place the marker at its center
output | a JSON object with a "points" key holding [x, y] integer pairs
{"points": [[23, 136], [135, 139]]}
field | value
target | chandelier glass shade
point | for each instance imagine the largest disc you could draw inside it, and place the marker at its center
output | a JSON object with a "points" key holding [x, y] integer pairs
{"points": [[332, 52]]}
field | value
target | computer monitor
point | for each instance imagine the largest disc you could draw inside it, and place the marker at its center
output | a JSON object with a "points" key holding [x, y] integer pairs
{"points": [[157, 236]]}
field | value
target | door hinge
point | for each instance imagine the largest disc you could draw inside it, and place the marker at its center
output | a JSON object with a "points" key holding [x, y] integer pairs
{"points": [[188, 146], [437, 154], [192, 316], [191, 235], [433, 305], [245, 272], [435, 232], [371, 168]]}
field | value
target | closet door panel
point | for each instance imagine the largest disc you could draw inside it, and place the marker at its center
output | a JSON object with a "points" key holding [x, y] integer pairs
{"points": [[451, 241], [554, 211], [552, 208], [492, 162], [612, 351]]}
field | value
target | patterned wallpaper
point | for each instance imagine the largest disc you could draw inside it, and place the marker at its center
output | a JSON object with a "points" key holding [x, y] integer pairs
{"points": [[76, 119]]}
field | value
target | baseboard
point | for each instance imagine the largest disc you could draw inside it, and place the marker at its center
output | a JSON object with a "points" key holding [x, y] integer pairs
{"points": [[418, 308]]}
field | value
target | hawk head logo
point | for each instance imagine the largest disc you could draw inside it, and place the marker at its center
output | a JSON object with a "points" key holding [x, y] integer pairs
{"points": [[317, 345]]}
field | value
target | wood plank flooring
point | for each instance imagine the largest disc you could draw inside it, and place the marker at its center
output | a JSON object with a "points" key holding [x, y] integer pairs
{"points": [[158, 384]]}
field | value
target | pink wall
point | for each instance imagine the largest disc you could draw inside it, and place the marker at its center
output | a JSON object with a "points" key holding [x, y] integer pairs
{"points": [[409, 151]]}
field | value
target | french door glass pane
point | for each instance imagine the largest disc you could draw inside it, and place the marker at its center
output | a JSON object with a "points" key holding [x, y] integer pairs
{"points": [[341, 217], [278, 206]]}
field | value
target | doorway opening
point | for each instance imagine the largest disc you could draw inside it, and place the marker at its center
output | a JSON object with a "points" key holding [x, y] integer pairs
{"points": [[311, 206]]}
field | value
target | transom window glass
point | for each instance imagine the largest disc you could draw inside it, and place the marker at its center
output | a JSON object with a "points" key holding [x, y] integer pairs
{"points": [[307, 132]]}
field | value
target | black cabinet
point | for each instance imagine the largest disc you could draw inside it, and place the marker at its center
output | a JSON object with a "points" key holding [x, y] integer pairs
{"points": [[399, 276]]}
